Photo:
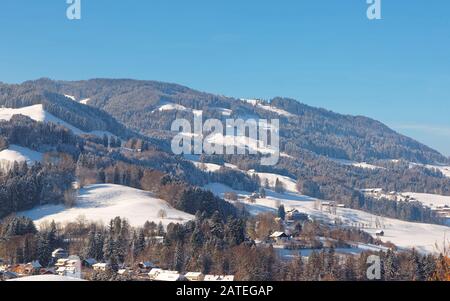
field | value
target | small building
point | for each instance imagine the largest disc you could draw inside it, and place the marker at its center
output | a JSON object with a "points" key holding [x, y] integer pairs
{"points": [[279, 237], [157, 274], [60, 253], [379, 233], [194, 276], [89, 262], [146, 265], [170, 277], [123, 272], [100, 267], [8, 275], [228, 278]]}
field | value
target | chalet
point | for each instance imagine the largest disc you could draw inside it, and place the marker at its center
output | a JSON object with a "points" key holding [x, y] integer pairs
{"points": [[295, 215], [228, 278], [194, 276], [164, 275], [170, 277], [123, 272], [100, 267], [146, 265], [60, 253], [8, 275], [279, 237], [89, 262], [379, 233]]}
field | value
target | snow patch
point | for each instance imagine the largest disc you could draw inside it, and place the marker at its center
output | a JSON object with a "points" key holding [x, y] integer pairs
{"points": [[37, 113]]}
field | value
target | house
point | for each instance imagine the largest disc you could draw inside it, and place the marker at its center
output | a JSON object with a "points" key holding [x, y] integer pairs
{"points": [[89, 262], [8, 275], [194, 276], [379, 233], [100, 267], [35, 265], [123, 272], [146, 265], [279, 237], [219, 278], [157, 274], [170, 277], [60, 253], [295, 215]]}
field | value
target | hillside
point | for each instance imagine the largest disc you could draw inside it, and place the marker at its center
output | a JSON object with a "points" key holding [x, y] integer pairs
{"points": [[103, 202], [140, 106]]}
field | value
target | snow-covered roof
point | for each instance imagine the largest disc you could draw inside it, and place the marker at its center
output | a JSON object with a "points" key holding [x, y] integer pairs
{"points": [[219, 278], [169, 277], [193, 274], [278, 235]]}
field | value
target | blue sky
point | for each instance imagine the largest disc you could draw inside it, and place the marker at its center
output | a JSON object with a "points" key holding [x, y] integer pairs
{"points": [[323, 53]]}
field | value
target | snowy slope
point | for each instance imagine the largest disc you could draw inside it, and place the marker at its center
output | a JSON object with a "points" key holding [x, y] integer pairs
{"points": [[265, 106], [103, 202], [430, 200], [85, 101], [445, 170], [38, 113], [18, 154], [423, 237]]}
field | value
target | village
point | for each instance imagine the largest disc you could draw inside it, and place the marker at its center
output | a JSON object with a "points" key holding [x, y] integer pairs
{"points": [[69, 268]]}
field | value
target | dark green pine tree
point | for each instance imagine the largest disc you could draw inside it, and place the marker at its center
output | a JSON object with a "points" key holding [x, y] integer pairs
{"points": [[216, 226], [281, 212], [90, 249], [44, 252], [178, 260], [391, 266], [140, 243]]}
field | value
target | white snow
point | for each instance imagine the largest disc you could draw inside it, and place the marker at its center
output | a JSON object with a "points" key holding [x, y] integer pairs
{"points": [[265, 106], [364, 165], [37, 113], [103, 202], [70, 97], [240, 141], [275, 110], [176, 107], [224, 112]]}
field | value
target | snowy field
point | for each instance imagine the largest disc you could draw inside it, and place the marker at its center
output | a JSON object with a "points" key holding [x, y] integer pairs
{"points": [[429, 200], [103, 202], [38, 113], [18, 154]]}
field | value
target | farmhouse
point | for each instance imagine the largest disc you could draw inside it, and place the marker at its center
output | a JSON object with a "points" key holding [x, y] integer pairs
{"points": [[194, 276], [379, 233], [60, 253], [101, 267], [219, 278]]}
